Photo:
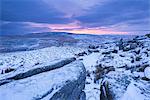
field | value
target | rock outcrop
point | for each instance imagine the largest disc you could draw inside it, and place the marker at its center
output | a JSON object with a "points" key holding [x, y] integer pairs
{"points": [[118, 82], [64, 80], [105, 92], [36, 70], [147, 72]]}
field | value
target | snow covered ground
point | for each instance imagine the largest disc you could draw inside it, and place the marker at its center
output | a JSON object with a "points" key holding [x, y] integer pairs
{"points": [[127, 70], [127, 80], [35, 57]]}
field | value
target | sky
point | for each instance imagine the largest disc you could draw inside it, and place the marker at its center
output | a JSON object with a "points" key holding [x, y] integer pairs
{"points": [[75, 16]]}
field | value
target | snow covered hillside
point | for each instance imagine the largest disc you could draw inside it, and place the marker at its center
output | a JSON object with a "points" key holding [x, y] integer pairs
{"points": [[34, 41], [116, 69]]}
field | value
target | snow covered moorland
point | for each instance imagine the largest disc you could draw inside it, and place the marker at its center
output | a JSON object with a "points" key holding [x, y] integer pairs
{"points": [[116, 69]]}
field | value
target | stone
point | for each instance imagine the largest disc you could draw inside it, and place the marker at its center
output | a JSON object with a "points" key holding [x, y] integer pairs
{"points": [[105, 92], [147, 72], [148, 35], [37, 70], [138, 58], [93, 50], [81, 54], [118, 82], [115, 51], [120, 44], [101, 71], [106, 53], [7, 70], [141, 68], [133, 45], [64, 83], [93, 47]]}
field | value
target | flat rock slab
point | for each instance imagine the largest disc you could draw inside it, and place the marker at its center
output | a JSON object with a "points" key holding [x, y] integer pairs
{"points": [[27, 72], [65, 83]]}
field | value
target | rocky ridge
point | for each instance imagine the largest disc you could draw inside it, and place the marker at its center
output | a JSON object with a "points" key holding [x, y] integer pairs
{"points": [[62, 80], [114, 71]]}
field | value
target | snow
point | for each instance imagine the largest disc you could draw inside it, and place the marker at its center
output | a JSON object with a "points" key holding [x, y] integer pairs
{"points": [[127, 84], [147, 72], [25, 69], [138, 74], [133, 93], [90, 60], [29, 59], [92, 90]]}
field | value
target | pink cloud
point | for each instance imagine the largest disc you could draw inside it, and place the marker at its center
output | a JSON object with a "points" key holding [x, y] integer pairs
{"points": [[75, 27]]}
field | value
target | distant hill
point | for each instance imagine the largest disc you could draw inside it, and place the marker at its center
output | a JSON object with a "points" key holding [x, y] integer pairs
{"points": [[32, 41]]}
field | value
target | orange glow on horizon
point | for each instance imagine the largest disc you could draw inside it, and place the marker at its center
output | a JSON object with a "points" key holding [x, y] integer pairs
{"points": [[76, 28], [92, 31]]}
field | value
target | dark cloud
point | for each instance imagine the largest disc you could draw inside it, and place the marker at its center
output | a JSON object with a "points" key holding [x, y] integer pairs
{"points": [[116, 11], [31, 11], [19, 28], [120, 15]]}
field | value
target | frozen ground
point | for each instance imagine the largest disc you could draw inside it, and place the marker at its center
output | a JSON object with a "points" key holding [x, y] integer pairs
{"points": [[35, 57], [126, 70]]}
